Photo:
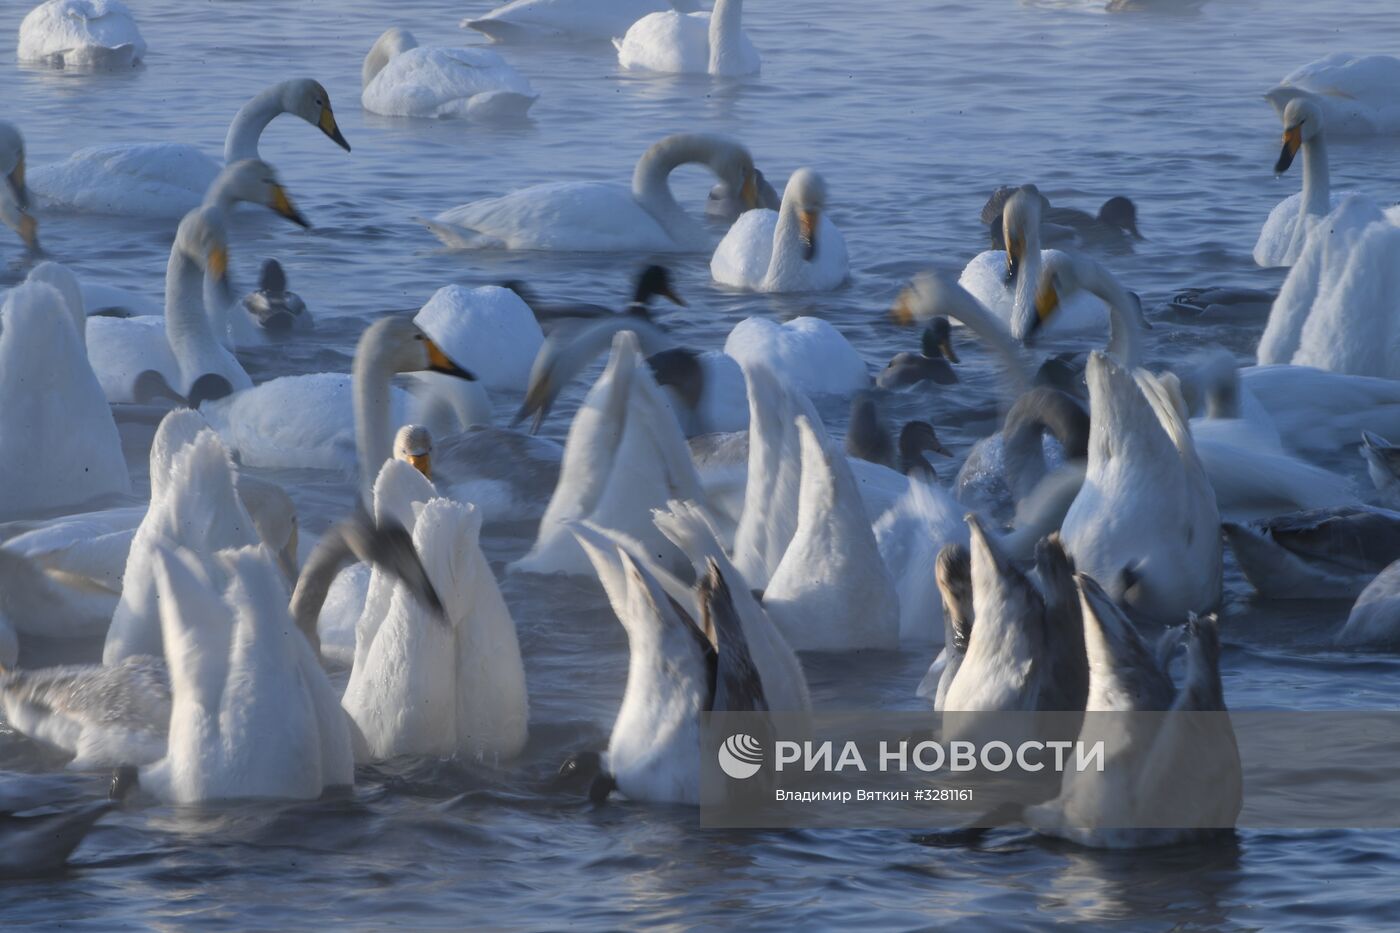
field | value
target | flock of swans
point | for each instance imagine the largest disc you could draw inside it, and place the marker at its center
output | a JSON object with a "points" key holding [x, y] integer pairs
{"points": [[729, 530]]}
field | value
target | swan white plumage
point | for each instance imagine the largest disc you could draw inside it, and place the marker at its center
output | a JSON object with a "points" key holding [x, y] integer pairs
{"points": [[581, 20], [831, 591], [1004, 281], [625, 455], [59, 446], [489, 331], [910, 536], [252, 712], [793, 249], [171, 179], [807, 351], [671, 42], [1285, 233], [1354, 92], [80, 34], [603, 216], [449, 685], [400, 78], [14, 193], [1374, 620]]}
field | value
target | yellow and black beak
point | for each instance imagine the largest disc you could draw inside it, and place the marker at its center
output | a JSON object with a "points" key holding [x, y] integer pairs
{"points": [[439, 362], [283, 205], [1292, 141], [808, 222], [539, 398], [749, 192], [1015, 254], [423, 463], [29, 231], [1047, 302], [16, 182], [328, 126]]}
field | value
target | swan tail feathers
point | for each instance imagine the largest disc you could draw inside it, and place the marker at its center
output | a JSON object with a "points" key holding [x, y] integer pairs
{"points": [[500, 105]]}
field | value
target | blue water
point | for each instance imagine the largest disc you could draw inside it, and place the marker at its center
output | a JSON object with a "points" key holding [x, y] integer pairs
{"points": [[912, 111]]}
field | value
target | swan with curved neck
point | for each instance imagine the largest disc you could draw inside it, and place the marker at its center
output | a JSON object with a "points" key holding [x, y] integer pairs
{"points": [[301, 97], [14, 196], [1285, 233], [793, 250], [1064, 274], [671, 42], [604, 217]]}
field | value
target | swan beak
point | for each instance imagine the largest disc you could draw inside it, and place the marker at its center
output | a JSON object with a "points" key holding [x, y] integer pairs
{"points": [[539, 398], [29, 231], [423, 463], [1047, 302], [439, 362], [328, 126], [16, 177], [216, 264], [1015, 252], [283, 205], [749, 192], [1292, 140], [808, 222]]}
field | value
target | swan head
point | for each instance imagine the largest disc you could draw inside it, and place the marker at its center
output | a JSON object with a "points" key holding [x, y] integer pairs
{"points": [[953, 572], [734, 166], [809, 194], [396, 344], [16, 216], [414, 446], [1302, 121], [937, 340], [309, 100], [1061, 276], [928, 296], [202, 238], [255, 182], [1019, 218]]}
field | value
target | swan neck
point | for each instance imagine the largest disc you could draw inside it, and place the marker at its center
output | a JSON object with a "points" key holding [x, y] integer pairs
{"points": [[980, 321], [247, 126], [1124, 329], [787, 243], [1317, 183], [651, 184], [187, 325], [726, 36], [371, 383]]}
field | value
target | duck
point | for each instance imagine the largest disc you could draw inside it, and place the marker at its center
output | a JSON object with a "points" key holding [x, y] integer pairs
{"points": [[603, 216], [1213, 303], [793, 249], [868, 439], [80, 35], [1352, 91], [14, 193], [1005, 467], [274, 307], [809, 352], [59, 446], [1328, 553], [653, 281], [168, 180], [445, 682], [1382, 465], [1140, 781], [522, 21], [672, 42], [930, 364], [1113, 228], [1005, 281], [400, 78], [42, 821], [624, 456], [1286, 231]]}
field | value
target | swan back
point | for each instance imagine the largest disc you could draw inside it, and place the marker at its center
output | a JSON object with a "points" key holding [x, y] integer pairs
{"points": [[393, 41], [61, 278]]}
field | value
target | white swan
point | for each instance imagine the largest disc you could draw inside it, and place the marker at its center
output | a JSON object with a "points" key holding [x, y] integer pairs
{"points": [[672, 42], [831, 591], [588, 216], [80, 34], [807, 351], [400, 78], [1316, 554], [171, 179], [910, 536], [1285, 233], [1354, 92], [1005, 281], [488, 331], [1374, 620], [14, 193], [252, 712], [793, 249], [58, 443], [567, 20], [625, 455], [442, 684]]}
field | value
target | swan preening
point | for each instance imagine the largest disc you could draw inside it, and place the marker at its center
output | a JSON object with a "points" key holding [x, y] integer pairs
{"points": [[400, 78], [14, 193], [674, 42], [1352, 91], [80, 34], [601, 216]]}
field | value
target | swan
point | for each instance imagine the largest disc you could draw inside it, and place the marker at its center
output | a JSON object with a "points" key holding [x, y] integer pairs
{"points": [[1143, 473], [793, 249], [1113, 228], [444, 683], [14, 193], [80, 34], [571, 20], [1354, 92], [1316, 554], [1314, 409], [170, 179], [672, 42], [39, 832], [273, 306], [831, 591], [1374, 620], [1005, 281], [1140, 784], [707, 389], [930, 364], [603, 216], [952, 573], [807, 351], [400, 78], [252, 713], [624, 456], [490, 331], [59, 446], [1005, 467], [1285, 233], [725, 205], [1382, 465], [910, 536]]}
